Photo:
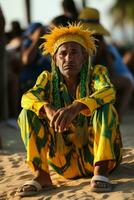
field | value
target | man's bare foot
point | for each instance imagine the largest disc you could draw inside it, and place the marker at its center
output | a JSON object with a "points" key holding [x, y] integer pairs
{"points": [[43, 178], [101, 168]]}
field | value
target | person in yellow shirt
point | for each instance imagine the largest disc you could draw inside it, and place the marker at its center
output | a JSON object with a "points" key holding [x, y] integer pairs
{"points": [[68, 120]]}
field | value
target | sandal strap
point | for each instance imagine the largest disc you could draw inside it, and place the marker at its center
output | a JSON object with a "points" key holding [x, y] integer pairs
{"points": [[100, 178], [34, 183]]}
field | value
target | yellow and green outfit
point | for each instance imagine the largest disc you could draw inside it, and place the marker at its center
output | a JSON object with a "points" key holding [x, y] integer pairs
{"points": [[72, 153]]}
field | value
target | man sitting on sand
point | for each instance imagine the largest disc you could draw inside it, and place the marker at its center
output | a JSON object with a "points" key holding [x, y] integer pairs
{"points": [[68, 119]]}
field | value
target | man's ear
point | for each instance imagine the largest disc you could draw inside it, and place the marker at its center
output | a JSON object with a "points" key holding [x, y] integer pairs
{"points": [[54, 58], [85, 56]]}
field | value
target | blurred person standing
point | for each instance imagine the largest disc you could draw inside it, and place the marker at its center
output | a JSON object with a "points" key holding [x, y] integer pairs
{"points": [[13, 51], [109, 56], [129, 59], [14, 36], [33, 62], [70, 9], [3, 78], [60, 20]]}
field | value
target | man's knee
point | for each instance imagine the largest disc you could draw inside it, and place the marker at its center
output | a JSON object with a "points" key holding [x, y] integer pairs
{"points": [[105, 115], [25, 115]]}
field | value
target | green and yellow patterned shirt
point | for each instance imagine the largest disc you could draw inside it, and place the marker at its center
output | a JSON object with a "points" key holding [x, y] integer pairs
{"points": [[101, 91]]}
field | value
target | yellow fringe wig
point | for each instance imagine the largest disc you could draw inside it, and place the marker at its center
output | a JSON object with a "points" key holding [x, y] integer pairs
{"points": [[72, 33]]}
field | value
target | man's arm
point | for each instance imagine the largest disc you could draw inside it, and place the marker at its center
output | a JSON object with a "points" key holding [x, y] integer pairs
{"points": [[63, 117], [38, 96], [103, 91]]}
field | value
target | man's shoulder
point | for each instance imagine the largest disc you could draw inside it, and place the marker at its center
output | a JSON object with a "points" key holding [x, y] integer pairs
{"points": [[44, 77], [45, 74], [99, 69]]}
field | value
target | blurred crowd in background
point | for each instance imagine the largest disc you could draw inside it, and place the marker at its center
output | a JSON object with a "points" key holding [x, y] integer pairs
{"points": [[21, 60]]}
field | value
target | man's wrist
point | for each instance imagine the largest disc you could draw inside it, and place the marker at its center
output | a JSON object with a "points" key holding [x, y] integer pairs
{"points": [[79, 106], [43, 109]]}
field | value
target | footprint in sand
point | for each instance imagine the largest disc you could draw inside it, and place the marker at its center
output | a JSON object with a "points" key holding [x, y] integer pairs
{"points": [[2, 171], [3, 196], [14, 162], [47, 198], [6, 180], [105, 196], [21, 173], [20, 159], [25, 176]]}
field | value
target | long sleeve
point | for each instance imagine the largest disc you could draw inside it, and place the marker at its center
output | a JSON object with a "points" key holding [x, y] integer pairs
{"points": [[38, 96], [103, 91]]}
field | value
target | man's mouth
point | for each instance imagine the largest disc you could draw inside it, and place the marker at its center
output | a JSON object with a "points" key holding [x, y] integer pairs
{"points": [[68, 66]]}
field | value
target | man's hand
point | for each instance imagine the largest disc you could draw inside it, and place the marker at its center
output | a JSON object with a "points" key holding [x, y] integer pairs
{"points": [[64, 116], [48, 110]]}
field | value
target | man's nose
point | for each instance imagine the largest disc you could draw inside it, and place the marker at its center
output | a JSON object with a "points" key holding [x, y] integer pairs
{"points": [[69, 57]]}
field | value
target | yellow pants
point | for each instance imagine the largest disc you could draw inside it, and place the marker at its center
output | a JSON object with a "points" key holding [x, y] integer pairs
{"points": [[43, 144]]}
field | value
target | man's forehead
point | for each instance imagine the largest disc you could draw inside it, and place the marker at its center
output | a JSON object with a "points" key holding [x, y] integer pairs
{"points": [[70, 45]]}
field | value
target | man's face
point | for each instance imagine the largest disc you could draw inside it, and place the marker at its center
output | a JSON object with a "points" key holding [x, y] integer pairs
{"points": [[70, 58]]}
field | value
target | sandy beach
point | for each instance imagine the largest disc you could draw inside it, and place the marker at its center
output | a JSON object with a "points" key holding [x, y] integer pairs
{"points": [[14, 172]]}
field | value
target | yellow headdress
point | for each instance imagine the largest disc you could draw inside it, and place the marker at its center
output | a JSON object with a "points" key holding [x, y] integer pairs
{"points": [[72, 33]]}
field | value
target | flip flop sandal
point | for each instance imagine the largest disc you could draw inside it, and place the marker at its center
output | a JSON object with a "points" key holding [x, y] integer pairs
{"points": [[36, 185], [98, 182]]}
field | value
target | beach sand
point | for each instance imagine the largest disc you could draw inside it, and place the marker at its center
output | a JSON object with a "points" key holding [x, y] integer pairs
{"points": [[14, 172]]}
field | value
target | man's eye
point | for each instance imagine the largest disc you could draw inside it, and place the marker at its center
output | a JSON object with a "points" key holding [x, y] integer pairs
{"points": [[62, 54], [74, 52]]}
